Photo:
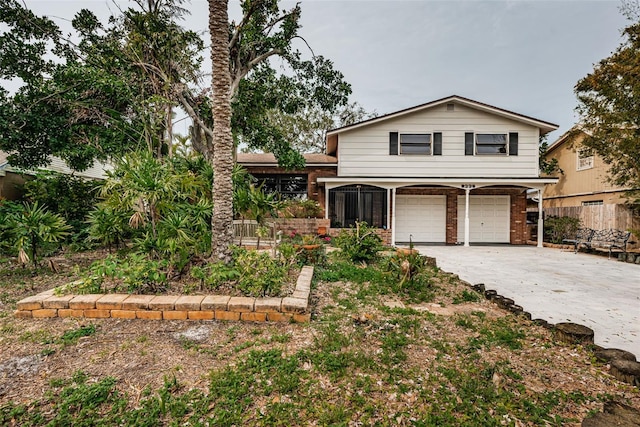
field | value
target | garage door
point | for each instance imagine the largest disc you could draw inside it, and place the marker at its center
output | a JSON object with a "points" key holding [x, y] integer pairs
{"points": [[422, 217], [488, 219]]}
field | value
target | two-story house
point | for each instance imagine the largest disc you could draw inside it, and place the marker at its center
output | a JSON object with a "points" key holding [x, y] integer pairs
{"points": [[584, 189], [452, 171]]}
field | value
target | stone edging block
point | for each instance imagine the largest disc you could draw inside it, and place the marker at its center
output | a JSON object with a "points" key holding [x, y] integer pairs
{"points": [[294, 308]]}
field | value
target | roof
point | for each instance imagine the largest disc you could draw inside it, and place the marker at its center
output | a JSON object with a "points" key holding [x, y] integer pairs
{"points": [[565, 137], [544, 126], [268, 159], [96, 171]]}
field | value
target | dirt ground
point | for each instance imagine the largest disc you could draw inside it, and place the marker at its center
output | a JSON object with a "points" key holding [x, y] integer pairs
{"points": [[141, 353]]}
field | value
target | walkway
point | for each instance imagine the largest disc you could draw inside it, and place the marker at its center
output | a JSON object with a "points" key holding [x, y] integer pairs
{"points": [[556, 285]]}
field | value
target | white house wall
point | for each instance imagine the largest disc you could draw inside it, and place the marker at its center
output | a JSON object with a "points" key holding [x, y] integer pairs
{"points": [[96, 171], [364, 151]]}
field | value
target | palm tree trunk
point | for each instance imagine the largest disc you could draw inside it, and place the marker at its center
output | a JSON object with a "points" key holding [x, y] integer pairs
{"points": [[222, 219]]}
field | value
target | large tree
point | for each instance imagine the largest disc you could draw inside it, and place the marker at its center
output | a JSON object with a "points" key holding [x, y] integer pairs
{"points": [[114, 90], [262, 37], [609, 106], [109, 90], [222, 219]]}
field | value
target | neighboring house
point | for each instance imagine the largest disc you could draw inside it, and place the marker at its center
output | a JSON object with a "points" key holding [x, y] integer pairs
{"points": [[301, 184], [449, 171], [583, 189], [11, 179]]}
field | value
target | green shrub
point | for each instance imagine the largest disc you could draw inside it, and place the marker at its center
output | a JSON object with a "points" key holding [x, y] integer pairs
{"points": [[8, 210], [558, 228], [108, 226], [409, 274], [360, 244], [33, 230], [69, 196], [133, 274], [260, 275], [215, 274], [297, 208]]}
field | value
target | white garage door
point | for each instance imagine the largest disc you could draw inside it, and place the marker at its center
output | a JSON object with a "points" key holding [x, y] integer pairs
{"points": [[422, 217], [488, 219]]}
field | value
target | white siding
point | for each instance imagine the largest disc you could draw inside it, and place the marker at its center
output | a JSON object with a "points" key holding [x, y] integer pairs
{"points": [[96, 171], [364, 151]]}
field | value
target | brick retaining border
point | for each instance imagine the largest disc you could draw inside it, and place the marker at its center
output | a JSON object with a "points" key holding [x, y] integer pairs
{"points": [[173, 307]]}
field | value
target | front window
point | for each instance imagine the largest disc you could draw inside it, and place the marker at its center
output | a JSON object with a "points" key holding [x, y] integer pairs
{"points": [[413, 143], [287, 186], [585, 159], [491, 143], [593, 203], [353, 203]]}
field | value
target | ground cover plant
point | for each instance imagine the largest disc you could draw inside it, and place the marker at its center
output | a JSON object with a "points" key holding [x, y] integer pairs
{"points": [[374, 353]]}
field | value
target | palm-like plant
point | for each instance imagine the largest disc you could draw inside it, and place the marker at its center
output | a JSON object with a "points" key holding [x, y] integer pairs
{"points": [[107, 226], [144, 185], [33, 228]]}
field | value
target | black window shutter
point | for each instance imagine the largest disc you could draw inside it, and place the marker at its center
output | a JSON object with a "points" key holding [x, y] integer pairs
{"points": [[513, 143], [393, 143], [468, 144], [437, 144]]}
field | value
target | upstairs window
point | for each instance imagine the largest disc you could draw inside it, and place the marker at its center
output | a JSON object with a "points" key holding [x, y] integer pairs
{"points": [[593, 203], [585, 159], [413, 143], [491, 143], [497, 144]]}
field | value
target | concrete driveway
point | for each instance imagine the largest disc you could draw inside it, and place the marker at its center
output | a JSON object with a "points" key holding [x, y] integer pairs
{"points": [[556, 285]]}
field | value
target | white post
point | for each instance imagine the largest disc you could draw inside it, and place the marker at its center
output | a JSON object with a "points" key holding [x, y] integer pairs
{"points": [[540, 220], [466, 216], [326, 201], [393, 217]]}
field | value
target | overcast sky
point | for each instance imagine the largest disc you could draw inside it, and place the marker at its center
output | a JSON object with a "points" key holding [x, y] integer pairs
{"points": [[524, 56]]}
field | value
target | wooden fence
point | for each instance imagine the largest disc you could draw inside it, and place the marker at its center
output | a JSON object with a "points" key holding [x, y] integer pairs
{"points": [[600, 217], [247, 231]]}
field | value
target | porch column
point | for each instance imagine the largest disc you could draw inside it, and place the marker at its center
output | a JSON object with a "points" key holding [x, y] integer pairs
{"points": [[326, 201], [466, 216], [540, 220], [393, 216]]}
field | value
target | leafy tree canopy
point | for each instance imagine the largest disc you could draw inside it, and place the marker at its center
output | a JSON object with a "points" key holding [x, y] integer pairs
{"points": [[307, 128], [110, 88], [609, 105], [102, 94]]}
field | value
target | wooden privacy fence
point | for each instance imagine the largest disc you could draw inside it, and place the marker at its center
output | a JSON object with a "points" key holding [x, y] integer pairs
{"points": [[599, 217]]}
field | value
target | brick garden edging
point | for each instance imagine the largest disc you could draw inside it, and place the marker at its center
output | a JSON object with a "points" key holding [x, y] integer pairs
{"points": [[294, 308]]}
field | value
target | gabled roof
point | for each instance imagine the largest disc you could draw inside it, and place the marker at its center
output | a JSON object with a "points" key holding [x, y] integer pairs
{"points": [[545, 127], [575, 129], [268, 159]]}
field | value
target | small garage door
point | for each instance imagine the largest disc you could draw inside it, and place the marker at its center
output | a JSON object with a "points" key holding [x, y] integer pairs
{"points": [[422, 217], [488, 219]]}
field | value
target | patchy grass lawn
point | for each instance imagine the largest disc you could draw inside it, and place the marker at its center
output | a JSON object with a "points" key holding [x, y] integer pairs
{"points": [[442, 357]]}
